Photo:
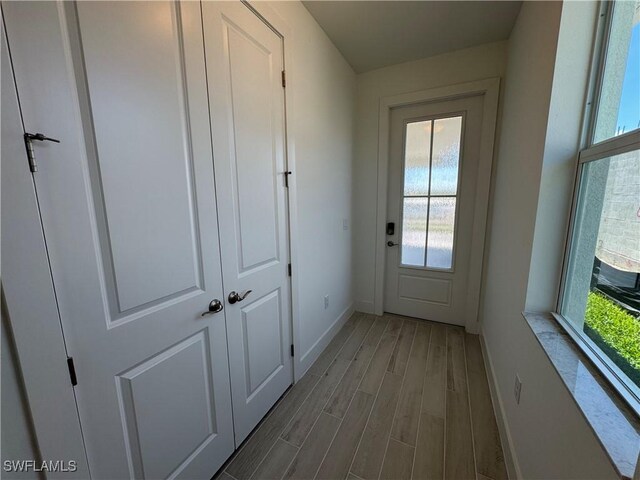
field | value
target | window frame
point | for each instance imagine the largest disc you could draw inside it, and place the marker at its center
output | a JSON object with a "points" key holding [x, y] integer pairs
{"points": [[592, 152]]}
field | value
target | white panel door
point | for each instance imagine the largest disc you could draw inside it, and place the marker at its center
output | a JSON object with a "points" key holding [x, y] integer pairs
{"points": [[128, 207], [433, 166], [244, 64]]}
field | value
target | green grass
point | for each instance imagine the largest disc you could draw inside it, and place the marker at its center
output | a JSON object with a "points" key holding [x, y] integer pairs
{"points": [[618, 329]]}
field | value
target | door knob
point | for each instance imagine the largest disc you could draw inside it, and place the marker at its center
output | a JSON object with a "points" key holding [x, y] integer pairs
{"points": [[238, 297], [214, 307], [391, 244]]}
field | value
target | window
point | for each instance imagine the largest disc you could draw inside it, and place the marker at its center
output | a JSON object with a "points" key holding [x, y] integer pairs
{"points": [[600, 300], [431, 171]]}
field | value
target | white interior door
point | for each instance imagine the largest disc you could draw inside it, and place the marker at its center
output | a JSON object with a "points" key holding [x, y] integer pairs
{"points": [[244, 64], [433, 166], [128, 207]]}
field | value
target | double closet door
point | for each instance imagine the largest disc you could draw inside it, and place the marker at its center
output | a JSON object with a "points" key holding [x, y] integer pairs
{"points": [[164, 211]]}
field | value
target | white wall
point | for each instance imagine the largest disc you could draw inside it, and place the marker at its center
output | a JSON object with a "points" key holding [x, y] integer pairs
{"points": [[321, 86], [17, 435], [549, 436], [461, 66], [562, 142]]}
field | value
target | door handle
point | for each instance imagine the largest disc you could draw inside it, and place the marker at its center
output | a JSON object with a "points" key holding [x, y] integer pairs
{"points": [[391, 244], [238, 297], [214, 307]]}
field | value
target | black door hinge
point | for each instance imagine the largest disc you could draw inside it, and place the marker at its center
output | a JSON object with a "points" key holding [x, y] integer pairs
{"points": [[292, 350], [284, 80], [289, 269], [28, 141], [72, 371]]}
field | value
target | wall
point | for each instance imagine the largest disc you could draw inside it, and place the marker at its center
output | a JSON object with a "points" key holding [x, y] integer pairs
{"points": [[321, 88], [17, 434], [461, 66], [531, 193]]}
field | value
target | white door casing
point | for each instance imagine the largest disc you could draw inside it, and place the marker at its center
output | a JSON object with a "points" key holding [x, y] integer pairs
{"points": [[128, 209], [433, 151], [489, 89], [244, 65]]}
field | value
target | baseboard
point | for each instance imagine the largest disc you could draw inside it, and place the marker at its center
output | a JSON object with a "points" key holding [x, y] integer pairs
{"points": [[364, 307], [511, 460], [311, 355]]}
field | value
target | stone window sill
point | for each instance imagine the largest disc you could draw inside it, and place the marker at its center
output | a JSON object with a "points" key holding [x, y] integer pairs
{"points": [[614, 423]]}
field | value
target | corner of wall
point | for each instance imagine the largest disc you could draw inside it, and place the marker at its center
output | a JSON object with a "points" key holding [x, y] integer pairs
{"points": [[311, 355]]}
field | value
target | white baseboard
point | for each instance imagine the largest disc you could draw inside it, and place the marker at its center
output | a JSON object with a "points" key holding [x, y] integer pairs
{"points": [[510, 458], [311, 355], [364, 307]]}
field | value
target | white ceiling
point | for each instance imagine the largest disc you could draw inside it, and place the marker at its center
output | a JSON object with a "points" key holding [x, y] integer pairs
{"points": [[374, 34]]}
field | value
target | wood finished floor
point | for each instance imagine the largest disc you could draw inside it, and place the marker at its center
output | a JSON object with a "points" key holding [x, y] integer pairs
{"points": [[389, 398]]}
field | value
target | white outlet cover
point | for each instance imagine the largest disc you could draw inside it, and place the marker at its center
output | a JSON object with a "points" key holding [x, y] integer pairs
{"points": [[517, 389]]}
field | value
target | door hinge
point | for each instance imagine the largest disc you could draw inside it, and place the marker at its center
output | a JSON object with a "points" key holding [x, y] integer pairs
{"points": [[28, 141], [289, 269], [292, 350], [284, 80], [72, 371]]}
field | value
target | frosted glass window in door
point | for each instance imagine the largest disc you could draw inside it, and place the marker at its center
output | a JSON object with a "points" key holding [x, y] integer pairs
{"points": [[431, 181]]}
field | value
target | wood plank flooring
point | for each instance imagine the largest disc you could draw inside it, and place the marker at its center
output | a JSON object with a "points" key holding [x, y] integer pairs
{"points": [[390, 397]]}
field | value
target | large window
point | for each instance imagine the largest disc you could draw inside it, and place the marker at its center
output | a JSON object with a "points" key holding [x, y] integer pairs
{"points": [[600, 301]]}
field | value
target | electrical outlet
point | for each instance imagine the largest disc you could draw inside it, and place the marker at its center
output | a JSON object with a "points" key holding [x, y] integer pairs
{"points": [[326, 302], [517, 388]]}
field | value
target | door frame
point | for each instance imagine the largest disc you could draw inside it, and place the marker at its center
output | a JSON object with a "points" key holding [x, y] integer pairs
{"points": [[36, 329], [490, 89]]}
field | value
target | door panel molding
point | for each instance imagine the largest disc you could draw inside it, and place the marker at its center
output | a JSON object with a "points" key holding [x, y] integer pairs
{"points": [[489, 88], [184, 275]]}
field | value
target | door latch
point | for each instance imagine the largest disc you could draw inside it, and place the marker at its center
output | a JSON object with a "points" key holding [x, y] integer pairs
{"points": [[28, 141]]}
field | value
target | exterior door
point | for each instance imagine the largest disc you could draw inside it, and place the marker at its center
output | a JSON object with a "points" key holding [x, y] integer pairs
{"points": [[433, 165], [244, 65], [128, 207]]}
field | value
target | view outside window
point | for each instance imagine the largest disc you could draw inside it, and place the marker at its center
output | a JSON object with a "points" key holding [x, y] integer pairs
{"points": [[602, 293], [619, 104], [602, 284], [431, 167]]}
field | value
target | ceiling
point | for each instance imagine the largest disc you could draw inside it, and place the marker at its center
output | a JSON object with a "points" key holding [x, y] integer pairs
{"points": [[374, 34]]}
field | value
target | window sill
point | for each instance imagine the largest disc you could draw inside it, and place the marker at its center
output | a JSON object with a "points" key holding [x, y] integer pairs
{"points": [[614, 423]]}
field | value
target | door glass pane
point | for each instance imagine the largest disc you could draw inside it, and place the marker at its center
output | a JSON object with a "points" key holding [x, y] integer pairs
{"points": [[416, 158], [414, 230], [440, 238], [446, 156]]}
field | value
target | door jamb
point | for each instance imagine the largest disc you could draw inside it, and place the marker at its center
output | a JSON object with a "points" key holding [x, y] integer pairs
{"points": [[490, 88]]}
